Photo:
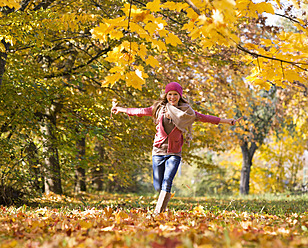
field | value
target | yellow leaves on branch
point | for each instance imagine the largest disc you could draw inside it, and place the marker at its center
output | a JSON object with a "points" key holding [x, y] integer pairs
{"points": [[135, 78], [247, 8], [124, 69], [71, 21], [10, 3], [143, 25], [211, 23], [215, 24], [273, 69], [154, 6], [268, 72], [109, 28]]}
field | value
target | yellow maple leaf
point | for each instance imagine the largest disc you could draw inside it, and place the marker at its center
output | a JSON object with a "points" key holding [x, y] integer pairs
{"points": [[154, 6], [113, 56], [175, 6], [250, 46], [120, 216], [192, 14], [277, 81], [117, 69], [131, 9], [163, 33], [151, 27], [173, 39], [111, 79], [135, 79], [100, 32], [195, 33], [134, 27], [140, 17], [116, 35], [152, 61], [126, 58], [85, 224], [262, 83], [292, 76], [131, 47], [265, 7], [10, 3], [159, 45], [169, 5], [142, 51]]}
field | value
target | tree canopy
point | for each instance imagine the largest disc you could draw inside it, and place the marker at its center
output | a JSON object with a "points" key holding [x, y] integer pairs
{"points": [[62, 64]]}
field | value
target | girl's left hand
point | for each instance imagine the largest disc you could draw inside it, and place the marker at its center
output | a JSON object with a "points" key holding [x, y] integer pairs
{"points": [[114, 108], [233, 122]]}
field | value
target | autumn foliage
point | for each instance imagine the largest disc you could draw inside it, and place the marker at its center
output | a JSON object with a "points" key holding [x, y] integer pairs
{"points": [[128, 221]]}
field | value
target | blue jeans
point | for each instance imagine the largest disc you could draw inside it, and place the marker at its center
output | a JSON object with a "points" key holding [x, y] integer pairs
{"points": [[164, 171]]}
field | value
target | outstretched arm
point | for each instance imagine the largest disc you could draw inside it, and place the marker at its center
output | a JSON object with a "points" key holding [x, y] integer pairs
{"points": [[215, 120], [231, 122], [132, 111], [116, 110]]}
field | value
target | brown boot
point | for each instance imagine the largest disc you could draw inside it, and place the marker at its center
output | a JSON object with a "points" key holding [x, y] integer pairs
{"points": [[162, 202]]}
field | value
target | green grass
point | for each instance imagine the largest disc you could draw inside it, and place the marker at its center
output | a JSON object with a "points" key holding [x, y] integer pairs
{"points": [[266, 204]]}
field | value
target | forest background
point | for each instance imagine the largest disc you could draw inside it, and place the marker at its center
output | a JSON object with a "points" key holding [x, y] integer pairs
{"points": [[64, 63]]}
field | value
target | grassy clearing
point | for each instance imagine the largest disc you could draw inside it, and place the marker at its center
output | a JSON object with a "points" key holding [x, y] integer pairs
{"points": [[127, 220], [267, 204]]}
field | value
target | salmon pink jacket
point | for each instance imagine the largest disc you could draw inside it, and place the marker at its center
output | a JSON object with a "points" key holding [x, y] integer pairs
{"points": [[175, 138]]}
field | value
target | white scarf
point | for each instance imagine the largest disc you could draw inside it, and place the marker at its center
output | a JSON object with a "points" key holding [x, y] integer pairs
{"points": [[183, 116]]}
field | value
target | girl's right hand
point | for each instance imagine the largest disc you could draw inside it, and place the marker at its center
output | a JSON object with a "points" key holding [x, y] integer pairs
{"points": [[115, 110]]}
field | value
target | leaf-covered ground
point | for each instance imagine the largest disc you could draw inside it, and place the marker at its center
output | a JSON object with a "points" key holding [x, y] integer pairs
{"points": [[128, 221]]}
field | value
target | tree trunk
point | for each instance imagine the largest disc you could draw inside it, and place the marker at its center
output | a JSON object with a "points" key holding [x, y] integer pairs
{"points": [[98, 172], [80, 173], [247, 154], [3, 56], [52, 172], [33, 161]]}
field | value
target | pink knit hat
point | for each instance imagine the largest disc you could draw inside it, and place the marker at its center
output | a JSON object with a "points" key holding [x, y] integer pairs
{"points": [[174, 86]]}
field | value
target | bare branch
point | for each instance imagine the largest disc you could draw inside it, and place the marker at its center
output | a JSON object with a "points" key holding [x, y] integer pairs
{"points": [[25, 4], [52, 41], [190, 3], [305, 87], [256, 55], [287, 17], [44, 4], [96, 4], [69, 72]]}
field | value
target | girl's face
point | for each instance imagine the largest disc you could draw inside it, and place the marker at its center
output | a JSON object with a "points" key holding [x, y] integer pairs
{"points": [[173, 97]]}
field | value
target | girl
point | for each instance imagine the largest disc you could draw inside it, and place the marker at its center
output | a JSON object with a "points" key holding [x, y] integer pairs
{"points": [[173, 117]]}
